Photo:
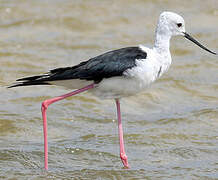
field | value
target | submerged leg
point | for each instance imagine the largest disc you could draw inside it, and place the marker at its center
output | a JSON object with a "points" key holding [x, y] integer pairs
{"points": [[45, 105], [123, 155]]}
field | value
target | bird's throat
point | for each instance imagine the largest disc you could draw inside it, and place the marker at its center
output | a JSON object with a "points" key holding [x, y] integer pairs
{"points": [[162, 43]]}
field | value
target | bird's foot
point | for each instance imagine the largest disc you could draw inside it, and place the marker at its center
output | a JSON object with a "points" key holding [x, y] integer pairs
{"points": [[124, 160]]}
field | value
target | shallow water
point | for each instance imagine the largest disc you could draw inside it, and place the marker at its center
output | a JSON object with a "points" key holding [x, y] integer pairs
{"points": [[171, 130]]}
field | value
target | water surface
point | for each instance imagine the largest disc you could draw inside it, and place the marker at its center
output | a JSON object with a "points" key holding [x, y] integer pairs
{"points": [[171, 130]]}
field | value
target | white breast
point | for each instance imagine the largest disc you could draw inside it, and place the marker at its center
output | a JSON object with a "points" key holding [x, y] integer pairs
{"points": [[147, 70]]}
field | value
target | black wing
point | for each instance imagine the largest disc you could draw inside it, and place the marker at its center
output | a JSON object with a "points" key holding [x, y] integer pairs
{"points": [[107, 65]]}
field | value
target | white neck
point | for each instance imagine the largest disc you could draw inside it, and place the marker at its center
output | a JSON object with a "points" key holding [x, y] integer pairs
{"points": [[162, 48], [162, 42]]}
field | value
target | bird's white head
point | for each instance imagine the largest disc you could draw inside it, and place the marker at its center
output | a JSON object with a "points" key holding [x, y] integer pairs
{"points": [[171, 24]]}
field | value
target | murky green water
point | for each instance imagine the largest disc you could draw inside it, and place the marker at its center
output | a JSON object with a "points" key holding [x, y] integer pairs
{"points": [[171, 130]]}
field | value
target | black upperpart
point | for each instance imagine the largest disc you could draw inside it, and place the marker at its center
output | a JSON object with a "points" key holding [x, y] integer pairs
{"points": [[109, 64]]}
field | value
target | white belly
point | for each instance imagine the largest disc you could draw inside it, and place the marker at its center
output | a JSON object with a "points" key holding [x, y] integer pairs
{"points": [[118, 87], [71, 83], [110, 88]]}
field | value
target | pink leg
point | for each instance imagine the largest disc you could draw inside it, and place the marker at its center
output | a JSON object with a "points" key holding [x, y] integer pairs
{"points": [[45, 105], [123, 155]]}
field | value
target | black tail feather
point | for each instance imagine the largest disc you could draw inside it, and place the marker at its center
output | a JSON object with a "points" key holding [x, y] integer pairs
{"points": [[32, 78], [28, 83]]}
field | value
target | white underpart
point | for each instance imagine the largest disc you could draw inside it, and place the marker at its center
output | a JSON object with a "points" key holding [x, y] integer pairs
{"points": [[71, 83]]}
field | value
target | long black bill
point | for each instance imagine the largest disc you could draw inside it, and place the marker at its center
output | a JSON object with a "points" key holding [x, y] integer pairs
{"points": [[186, 35]]}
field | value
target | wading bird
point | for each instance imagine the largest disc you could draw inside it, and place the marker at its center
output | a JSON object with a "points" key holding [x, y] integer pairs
{"points": [[115, 74]]}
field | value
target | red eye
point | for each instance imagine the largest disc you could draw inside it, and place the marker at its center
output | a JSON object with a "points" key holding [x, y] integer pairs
{"points": [[179, 24]]}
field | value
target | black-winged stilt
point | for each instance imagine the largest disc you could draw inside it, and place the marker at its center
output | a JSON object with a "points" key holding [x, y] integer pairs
{"points": [[115, 74]]}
